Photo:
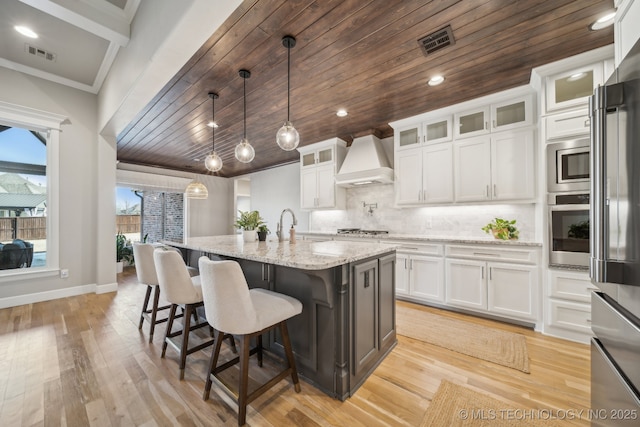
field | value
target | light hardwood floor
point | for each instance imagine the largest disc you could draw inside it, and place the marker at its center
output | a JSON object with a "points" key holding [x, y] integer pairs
{"points": [[82, 361]]}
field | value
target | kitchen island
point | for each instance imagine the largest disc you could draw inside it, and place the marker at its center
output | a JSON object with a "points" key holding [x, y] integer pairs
{"points": [[347, 289]]}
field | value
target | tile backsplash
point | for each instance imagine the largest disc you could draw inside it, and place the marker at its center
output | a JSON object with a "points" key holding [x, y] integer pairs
{"points": [[443, 221]]}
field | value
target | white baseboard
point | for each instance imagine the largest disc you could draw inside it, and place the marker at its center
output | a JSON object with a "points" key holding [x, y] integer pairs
{"points": [[56, 294]]}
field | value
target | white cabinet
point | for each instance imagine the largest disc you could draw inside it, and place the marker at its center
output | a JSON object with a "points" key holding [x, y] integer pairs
{"points": [[496, 167], [466, 284], [568, 306], [424, 175], [319, 163], [473, 170], [567, 124], [571, 89], [420, 272], [472, 123], [496, 117], [481, 280], [626, 28], [432, 131]]}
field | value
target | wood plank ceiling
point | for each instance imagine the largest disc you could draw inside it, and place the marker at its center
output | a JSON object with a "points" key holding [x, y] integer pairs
{"points": [[361, 55]]}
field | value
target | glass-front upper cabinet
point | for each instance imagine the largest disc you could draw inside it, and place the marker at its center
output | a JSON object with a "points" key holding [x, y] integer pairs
{"points": [[512, 114], [317, 157], [408, 137], [572, 88], [438, 130], [472, 123]]}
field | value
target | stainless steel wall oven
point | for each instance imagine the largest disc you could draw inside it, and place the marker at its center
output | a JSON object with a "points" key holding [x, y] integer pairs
{"points": [[569, 230]]}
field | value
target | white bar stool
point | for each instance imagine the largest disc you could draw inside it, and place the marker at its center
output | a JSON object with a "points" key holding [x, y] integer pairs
{"points": [[179, 289], [146, 272], [232, 308]]}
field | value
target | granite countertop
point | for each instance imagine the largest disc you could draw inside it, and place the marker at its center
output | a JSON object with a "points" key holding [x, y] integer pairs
{"points": [[426, 239], [304, 254]]}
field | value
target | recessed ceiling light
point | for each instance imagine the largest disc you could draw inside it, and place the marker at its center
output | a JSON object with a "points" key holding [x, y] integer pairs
{"points": [[213, 125], [603, 22], [435, 80], [341, 113], [26, 31]]}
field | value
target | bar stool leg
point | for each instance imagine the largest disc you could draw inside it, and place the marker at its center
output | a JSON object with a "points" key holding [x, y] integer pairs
{"points": [[287, 349], [244, 379], [185, 337], [259, 348], [144, 306], [172, 316], [154, 312], [213, 362]]}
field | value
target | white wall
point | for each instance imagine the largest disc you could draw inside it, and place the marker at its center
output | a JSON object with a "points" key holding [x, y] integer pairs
{"points": [[275, 189], [80, 199]]}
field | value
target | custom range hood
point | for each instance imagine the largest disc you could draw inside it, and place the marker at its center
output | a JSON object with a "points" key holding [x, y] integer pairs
{"points": [[365, 163]]}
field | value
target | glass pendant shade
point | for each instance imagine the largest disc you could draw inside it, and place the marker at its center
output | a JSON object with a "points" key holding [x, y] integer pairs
{"points": [[287, 137], [213, 162], [197, 190], [244, 151]]}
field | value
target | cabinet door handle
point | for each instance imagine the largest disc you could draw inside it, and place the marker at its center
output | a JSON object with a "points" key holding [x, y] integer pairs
{"points": [[495, 193], [486, 254], [487, 188], [482, 272], [366, 279], [405, 263], [490, 273], [494, 124], [410, 264], [262, 272], [424, 195], [419, 195], [486, 125]]}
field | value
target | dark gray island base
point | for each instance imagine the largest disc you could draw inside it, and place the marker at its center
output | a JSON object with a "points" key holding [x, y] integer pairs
{"points": [[347, 325]]}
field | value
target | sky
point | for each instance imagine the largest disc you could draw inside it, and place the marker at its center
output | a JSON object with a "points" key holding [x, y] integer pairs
{"points": [[19, 145]]}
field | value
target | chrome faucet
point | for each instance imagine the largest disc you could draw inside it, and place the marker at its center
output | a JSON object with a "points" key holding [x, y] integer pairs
{"points": [[280, 232]]}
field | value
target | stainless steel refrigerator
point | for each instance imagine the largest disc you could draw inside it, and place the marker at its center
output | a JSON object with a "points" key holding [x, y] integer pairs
{"points": [[615, 247]]}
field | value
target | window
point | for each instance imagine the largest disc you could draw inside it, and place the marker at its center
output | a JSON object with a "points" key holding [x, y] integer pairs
{"points": [[23, 198], [29, 143]]}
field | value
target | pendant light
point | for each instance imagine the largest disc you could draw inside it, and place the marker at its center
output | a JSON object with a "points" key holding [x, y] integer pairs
{"points": [[287, 136], [196, 190], [244, 151], [213, 162]]}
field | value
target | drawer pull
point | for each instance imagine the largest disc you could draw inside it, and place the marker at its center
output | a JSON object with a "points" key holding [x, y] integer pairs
{"points": [[407, 248], [486, 254]]}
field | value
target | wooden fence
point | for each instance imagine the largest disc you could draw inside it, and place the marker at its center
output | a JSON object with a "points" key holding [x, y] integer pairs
{"points": [[35, 228], [25, 228], [128, 223]]}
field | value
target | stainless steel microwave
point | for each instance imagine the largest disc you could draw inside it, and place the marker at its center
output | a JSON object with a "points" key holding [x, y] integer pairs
{"points": [[568, 166]]}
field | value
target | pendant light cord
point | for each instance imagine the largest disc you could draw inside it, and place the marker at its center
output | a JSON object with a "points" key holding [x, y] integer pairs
{"points": [[244, 97], [288, 82], [213, 123]]}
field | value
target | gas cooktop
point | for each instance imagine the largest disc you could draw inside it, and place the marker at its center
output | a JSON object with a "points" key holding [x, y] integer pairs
{"points": [[360, 231]]}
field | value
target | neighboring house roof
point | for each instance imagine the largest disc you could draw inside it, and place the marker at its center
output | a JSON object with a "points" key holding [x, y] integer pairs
{"points": [[15, 184], [11, 201]]}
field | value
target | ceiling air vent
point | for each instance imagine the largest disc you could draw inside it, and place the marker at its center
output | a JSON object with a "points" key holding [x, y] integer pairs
{"points": [[437, 40], [40, 53]]}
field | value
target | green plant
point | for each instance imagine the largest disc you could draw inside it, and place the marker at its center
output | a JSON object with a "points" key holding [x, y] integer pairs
{"points": [[124, 252], [249, 220], [262, 228], [502, 229]]}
